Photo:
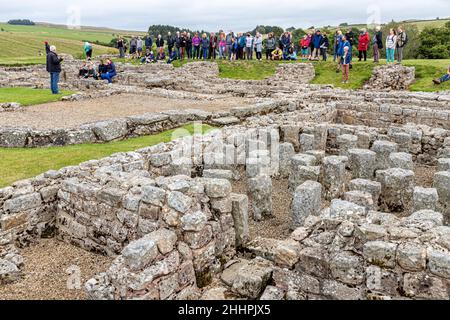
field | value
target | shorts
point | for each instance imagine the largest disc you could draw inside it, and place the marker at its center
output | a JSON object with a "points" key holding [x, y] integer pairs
{"points": [[305, 52], [139, 50]]}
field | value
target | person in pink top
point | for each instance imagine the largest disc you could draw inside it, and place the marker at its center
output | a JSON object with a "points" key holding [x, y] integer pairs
{"points": [[222, 46], [196, 40]]}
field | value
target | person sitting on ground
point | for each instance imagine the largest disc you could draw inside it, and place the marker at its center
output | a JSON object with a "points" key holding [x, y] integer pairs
{"points": [[102, 68], [292, 54], [161, 55], [277, 54], [149, 56], [444, 78], [110, 71], [87, 70], [172, 56]]}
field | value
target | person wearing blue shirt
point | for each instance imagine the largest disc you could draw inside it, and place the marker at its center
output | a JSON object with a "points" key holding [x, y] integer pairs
{"points": [[110, 71]]}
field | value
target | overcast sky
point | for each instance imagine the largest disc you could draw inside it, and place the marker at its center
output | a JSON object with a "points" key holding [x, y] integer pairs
{"points": [[238, 15]]}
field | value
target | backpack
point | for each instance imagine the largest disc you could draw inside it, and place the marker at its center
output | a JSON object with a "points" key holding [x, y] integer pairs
{"points": [[406, 39]]}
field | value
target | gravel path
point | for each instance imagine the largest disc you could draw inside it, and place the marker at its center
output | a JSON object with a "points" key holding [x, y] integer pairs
{"points": [[72, 114], [45, 276]]}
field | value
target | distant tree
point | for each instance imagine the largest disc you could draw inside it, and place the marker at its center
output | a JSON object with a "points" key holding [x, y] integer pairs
{"points": [[291, 29], [21, 22], [155, 30], [435, 43], [344, 24]]}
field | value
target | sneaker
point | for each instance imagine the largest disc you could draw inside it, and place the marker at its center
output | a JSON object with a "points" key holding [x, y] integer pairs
{"points": [[436, 81]]}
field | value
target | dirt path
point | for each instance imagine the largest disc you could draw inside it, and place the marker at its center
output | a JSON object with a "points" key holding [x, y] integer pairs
{"points": [[46, 272], [72, 114]]}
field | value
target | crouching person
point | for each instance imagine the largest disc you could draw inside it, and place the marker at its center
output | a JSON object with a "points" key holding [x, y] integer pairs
{"points": [[110, 71], [444, 78]]}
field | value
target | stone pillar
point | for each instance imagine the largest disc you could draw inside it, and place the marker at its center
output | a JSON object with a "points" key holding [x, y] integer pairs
{"points": [[403, 140], [258, 163], [383, 149], [260, 189], [442, 185], [240, 217], [302, 174], [367, 186], [425, 199], [362, 163], [333, 176], [307, 201], [290, 133], [401, 160], [346, 142], [306, 142], [397, 187], [360, 198], [287, 151], [443, 164]]}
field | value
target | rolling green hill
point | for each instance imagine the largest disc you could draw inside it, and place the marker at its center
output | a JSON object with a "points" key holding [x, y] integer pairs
{"points": [[25, 44]]}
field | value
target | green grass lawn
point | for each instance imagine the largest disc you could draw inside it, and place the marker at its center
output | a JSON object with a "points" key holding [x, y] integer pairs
{"points": [[29, 96], [22, 163]]}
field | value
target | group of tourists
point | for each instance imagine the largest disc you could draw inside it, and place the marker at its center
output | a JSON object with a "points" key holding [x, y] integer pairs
{"points": [[106, 70]]}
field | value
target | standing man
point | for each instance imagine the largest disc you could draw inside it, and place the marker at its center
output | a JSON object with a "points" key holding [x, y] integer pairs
{"points": [[402, 40], [337, 41], [178, 45], [170, 41], [377, 44], [53, 67], [317, 41], [121, 47], [139, 45], [212, 46], [148, 42]]}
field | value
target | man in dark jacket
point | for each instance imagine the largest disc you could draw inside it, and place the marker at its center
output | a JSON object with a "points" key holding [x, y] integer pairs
{"points": [[170, 42], [317, 41], [350, 36], [53, 67], [377, 44], [148, 42], [212, 46]]}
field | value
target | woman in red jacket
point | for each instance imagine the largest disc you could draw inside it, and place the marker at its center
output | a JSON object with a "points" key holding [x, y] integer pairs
{"points": [[363, 44]]}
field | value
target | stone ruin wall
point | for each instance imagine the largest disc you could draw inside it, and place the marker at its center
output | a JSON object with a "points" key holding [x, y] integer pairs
{"points": [[361, 227], [175, 234]]}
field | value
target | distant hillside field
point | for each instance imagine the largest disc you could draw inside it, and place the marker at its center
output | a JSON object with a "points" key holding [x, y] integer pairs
{"points": [[26, 43], [421, 24]]}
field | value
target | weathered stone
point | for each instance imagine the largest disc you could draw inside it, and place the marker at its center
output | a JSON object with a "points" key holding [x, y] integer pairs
{"points": [[8, 272], [380, 253], [240, 218], [401, 160], [165, 240], [362, 163], [193, 222], [217, 188], [383, 149], [25, 202], [140, 253], [345, 143], [110, 130], [340, 209], [411, 256], [442, 185], [397, 187], [306, 202], [179, 202], [218, 174], [333, 176], [443, 164], [423, 220], [347, 267], [361, 198], [367, 186], [260, 190], [287, 151], [425, 199], [302, 174], [439, 263]]}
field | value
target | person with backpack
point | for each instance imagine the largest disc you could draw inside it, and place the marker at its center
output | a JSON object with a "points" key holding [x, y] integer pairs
{"points": [[88, 50], [241, 40], [317, 41], [337, 39], [324, 45], [170, 41], [363, 44], [377, 44], [229, 41], [53, 67], [391, 43], [402, 40]]}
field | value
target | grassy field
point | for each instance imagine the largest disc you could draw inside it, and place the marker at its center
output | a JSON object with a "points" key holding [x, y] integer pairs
{"points": [[29, 96], [22, 163], [26, 43], [426, 71], [421, 24]]}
